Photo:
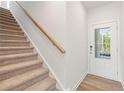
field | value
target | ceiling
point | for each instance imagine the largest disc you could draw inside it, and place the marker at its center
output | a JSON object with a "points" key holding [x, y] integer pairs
{"points": [[93, 4]]}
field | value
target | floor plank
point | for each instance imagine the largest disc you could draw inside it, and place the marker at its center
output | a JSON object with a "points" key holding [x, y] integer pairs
{"points": [[96, 83]]}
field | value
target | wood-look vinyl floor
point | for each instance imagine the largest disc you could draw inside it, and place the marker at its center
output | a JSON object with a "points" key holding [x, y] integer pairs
{"points": [[96, 83]]}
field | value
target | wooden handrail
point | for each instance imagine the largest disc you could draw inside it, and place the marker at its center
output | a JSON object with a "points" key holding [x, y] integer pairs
{"points": [[54, 42]]}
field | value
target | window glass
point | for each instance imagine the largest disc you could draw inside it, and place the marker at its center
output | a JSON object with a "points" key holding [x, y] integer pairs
{"points": [[102, 43]]}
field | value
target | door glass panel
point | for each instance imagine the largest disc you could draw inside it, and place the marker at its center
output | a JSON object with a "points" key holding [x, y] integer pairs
{"points": [[102, 43]]}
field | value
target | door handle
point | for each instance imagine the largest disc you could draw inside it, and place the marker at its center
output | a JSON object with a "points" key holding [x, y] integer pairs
{"points": [[91, 48]]}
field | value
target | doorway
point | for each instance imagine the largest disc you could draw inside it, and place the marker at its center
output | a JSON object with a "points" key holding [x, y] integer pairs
{"points": [[103, 50]]}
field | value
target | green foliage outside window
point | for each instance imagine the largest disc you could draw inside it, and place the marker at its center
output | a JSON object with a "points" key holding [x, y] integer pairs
{"points": [[102, 42]]}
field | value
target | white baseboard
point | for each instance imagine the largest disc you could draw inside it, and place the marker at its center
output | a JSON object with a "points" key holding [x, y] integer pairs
{"points": [[122, 84], [78, 83]]}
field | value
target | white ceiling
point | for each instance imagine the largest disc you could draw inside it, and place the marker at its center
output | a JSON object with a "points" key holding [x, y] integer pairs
{"points": [[93, 4]]}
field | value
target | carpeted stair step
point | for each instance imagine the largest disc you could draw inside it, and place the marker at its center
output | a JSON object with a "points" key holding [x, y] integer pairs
{"points": [[12, 37], [24, 80], [5, 15], [44, 85], [8, 20], [9, 27], [9, 23], [16, 58], [4, 10], [10, 70], [15, 50], [10, 43], [11, 32]]}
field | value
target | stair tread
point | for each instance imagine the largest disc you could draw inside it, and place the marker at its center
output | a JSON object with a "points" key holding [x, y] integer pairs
{"points": [[10, 26], [16, 55], [5, 12], [18, 41], [6, 15], [9, 19], [3, 9], [6, 48], [22, 78], [1, 34], [12, 67], [11, 30], [10, 23], [41, 85]]}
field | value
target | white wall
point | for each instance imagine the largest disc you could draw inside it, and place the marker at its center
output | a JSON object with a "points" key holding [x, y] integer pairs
{"points": [[52, 56], [111, 11], [67, 23], [76, 65], [50, 16], [4, 4]]}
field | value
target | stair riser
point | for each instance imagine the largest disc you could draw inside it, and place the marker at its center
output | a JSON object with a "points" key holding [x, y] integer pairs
{"points": [[16, 51], [8, 23], [6, 15], [29, 82], [4, 37], [8, 44], [19, 71], [9, 17], [17, 60], [11, 32], [5, 11], [8, 20], [10, 27]]}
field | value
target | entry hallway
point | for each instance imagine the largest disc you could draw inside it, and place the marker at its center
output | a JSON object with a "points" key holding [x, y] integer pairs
{"points": [[96, 83], [43, 42]]}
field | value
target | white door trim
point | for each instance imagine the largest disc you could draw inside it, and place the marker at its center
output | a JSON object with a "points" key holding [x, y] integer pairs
{"points": [[118, 44]]}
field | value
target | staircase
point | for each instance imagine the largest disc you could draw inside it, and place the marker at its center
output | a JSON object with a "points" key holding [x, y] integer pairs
{"points": [[20, 66]]}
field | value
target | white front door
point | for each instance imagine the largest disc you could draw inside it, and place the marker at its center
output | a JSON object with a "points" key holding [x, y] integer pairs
{"points": [[103, 50]]}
